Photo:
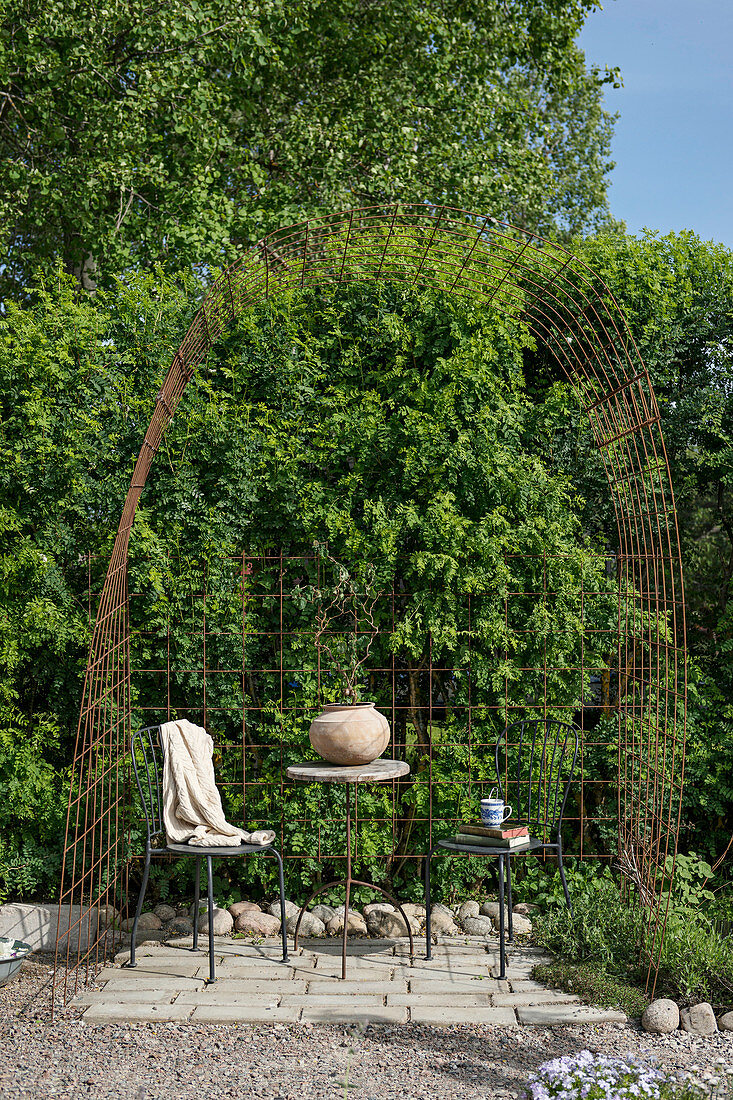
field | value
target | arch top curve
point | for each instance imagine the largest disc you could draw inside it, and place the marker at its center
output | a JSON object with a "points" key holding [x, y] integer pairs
{"points": [[572, 313]]}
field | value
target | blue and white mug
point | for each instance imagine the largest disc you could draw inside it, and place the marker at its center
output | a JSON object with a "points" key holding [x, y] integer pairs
{"points": [[494, 812]]}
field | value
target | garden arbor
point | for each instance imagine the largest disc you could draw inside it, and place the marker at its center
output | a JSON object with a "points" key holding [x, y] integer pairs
{"points": [[574, 317]]}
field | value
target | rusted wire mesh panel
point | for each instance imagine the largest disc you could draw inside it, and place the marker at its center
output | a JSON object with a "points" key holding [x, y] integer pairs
{"points": [[641, 687]]}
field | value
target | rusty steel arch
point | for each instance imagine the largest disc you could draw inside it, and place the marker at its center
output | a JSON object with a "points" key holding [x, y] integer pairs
{"points": [[572, 313]]}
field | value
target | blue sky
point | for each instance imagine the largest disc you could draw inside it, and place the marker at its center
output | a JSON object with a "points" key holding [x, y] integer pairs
{"points": [[674, 138]]}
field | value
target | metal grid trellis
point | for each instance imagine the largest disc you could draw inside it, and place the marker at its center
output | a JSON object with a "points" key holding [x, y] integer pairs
{"points": [[574, 316]]}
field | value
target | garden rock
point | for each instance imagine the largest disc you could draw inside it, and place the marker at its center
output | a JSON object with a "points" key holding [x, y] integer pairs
{"points": [[240, 907], [441, 921], [290, 910], [180, 926], [257, 923], [661, 1017], [440, 908], [491, 909], [165, 912], [389, 925], [468, 909], [525, 909], [415, 911], [725, 1022], [223, 922], [379, 907], [357, 925], [478, 926], [309, 926], [520, 925], [700, 1019], [148, 923], [323, 912], [107, 915]]}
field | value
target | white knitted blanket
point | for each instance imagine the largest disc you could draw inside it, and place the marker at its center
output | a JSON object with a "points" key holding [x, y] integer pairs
{"points": [[192, 809]]}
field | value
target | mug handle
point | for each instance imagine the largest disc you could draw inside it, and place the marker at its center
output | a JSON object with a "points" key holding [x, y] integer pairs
{"points": [[507, 813]]}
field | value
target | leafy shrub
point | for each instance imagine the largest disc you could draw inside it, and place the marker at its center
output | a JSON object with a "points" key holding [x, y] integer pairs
{"points": [[696, 963]]}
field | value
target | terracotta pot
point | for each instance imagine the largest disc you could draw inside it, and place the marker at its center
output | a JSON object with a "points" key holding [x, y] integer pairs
{"points": [[349, 734]]}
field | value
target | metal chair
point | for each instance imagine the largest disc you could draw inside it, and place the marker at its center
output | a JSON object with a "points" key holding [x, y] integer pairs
{"points": [[147, 762], [535, 762]]}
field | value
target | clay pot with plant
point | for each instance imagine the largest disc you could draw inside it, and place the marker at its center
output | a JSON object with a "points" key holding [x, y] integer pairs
{"points": [[350, 732]]}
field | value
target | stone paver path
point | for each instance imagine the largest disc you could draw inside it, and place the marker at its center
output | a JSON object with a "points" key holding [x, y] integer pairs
{"points": [[457, 986]]}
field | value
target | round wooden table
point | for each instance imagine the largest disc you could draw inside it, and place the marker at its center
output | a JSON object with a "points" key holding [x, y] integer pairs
{"points": [[379, 771]]}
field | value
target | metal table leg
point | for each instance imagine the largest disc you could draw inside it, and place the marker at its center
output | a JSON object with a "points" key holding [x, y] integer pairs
{"points": [[348, 882]]}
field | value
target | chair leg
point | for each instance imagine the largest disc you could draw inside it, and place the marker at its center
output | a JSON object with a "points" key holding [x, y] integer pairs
{"points": [[509, 896], [139, 909], [428, 938], [196, 895], [562, 879], [281, 881], [210, 874], [502, 960]]}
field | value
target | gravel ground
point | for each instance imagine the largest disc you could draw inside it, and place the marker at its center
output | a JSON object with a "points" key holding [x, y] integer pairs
{"points": [[156, 1062]]}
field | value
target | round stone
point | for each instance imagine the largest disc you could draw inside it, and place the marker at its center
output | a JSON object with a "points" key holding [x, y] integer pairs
{"points": [[323, 912], [468, 909], [309, 925], [240, 907], [257, 923], [357, 925], [725, 1022], [180, 926], [291, 910], [477, 926], [378, 907], [661, 1017], [223, 922], [491, 909], [165, 912], [389, 925], [699, 1020], [442, 923], [148, 923]]}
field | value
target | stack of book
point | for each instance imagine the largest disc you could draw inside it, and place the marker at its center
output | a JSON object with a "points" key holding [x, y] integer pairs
{"points": [[503, 836]]}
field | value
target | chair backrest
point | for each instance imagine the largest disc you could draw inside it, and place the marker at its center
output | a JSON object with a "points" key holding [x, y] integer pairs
{"points": [[147, 763], [535, 763]]}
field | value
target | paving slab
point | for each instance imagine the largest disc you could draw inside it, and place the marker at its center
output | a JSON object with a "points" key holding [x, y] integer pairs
{"points": [[264, 972], [365, 946], [152, 982], [135, 1013], [241, 1014], [527, 985], [450, 1015], [549, 1015], [225, 946], [127, 996], [358, 969], [544, 996], [471, 985], [186, 967], [334, 1000], [440, 973], [359, 989], [378, 1014], [439, 1000], [228, 992]]}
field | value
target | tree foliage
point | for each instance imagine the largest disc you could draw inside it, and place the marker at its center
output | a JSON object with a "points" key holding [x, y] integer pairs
{"points": [[132, 134], [394, 424]]}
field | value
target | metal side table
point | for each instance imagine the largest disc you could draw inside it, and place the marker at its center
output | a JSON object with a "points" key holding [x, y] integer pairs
{"points": [[379, 771]]}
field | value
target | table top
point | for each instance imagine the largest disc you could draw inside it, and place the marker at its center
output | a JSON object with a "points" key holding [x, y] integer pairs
{"points": [[320, 771]]}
